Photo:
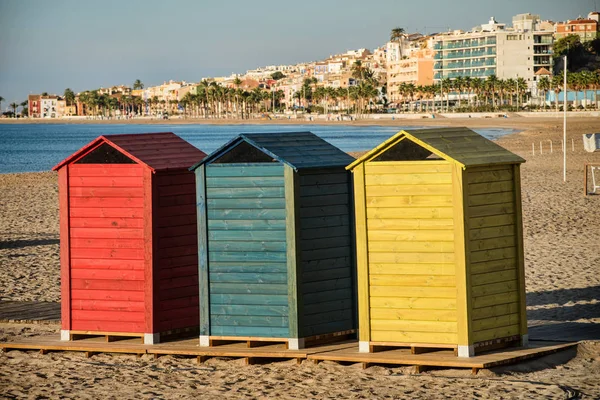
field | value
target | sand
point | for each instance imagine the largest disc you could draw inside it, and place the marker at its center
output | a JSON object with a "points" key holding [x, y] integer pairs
{"points": [[561, 233]]}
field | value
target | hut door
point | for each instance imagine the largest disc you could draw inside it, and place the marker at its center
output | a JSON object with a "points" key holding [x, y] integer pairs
{"points": [[106, 209], [247, 249]]}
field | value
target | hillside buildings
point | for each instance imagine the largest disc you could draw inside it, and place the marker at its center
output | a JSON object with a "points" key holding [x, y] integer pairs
{"points": [[586, 28]]}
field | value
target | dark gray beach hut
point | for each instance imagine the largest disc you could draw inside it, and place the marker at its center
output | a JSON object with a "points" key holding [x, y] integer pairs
{"points": [[275, 240]]}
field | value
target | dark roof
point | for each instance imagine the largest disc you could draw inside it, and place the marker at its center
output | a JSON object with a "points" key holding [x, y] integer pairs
{"points": [[297, 149], [158, 151], [461, 145]]}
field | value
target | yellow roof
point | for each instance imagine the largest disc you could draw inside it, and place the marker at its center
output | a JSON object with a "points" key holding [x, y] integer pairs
{"points": [[460, 145]]}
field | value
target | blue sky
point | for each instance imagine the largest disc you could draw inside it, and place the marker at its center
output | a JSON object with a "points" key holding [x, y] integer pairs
{"points": [[82, 44]]}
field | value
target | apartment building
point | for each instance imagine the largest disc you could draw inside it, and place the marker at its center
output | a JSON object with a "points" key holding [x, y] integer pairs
{"points": [[586, 28], [49, 107], [34, 106], [493, 49], [409, 60]]}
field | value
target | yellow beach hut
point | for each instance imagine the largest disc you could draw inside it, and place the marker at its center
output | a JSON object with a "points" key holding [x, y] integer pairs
{"points": [[439, 242]]}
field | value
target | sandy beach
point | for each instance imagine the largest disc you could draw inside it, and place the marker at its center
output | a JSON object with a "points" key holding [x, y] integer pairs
{"points": [[561, 233]]}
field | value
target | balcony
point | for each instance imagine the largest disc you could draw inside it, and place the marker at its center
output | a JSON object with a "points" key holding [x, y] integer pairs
{"points": [[542, 51], [437, 46], [491, 61]]}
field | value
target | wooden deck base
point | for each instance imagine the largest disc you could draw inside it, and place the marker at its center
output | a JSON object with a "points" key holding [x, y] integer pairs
{"points": [[441, 357], [108, 336], [344, 352], [311, 341]]}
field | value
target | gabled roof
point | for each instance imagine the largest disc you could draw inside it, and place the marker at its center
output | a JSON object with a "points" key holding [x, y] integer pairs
{"points": [[460, 145], [543, 71], [297, 149], [158, 151]]}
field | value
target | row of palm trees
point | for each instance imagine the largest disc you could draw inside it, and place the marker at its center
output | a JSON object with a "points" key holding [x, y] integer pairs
{"points": [[477, 93], [15, 106], [211, 100], [582, 81], [491, 93]]}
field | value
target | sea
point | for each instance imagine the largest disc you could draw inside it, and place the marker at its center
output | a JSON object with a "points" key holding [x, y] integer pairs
{"points": [[38, 147]]}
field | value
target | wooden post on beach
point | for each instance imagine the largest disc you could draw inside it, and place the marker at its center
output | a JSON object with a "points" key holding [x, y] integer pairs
{"points": [[541, 151], [550, 146], [533, 149], [572, 144]]}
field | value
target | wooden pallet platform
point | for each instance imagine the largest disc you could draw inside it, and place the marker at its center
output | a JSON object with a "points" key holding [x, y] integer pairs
{"points": [[442, 358], [188, 347], [339, 352]]}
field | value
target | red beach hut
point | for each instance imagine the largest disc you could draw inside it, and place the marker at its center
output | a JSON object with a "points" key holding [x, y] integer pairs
{"points": [[128, 241]]}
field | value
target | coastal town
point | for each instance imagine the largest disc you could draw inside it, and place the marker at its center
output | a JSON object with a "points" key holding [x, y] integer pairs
{"points": [[491, 67]]}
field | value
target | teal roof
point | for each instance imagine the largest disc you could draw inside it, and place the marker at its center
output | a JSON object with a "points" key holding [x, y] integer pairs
{"points": [[300, 150]]}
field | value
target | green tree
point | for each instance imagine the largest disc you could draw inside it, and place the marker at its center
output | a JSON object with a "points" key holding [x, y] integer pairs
{"points": [[277, 75], [24, 105], [14, 106], [544, 86], [138, 85], [69, 96], [557, 87], [492, 84], [396, 34]]}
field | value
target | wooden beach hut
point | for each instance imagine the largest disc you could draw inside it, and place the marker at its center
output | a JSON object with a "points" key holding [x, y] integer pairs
{"points": [[275, 240], [128, 244], [439, 242]]}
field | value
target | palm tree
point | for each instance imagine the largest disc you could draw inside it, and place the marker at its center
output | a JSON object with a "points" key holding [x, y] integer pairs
{"points": [[459, 84], [522, 90], [492, 83], [358, 70], [477, 85], [138, 85], [447, 87], [396, 34], [544, 86], [14, 106], [24, 105], [586, 79], [69, 96], [557, 86], [509, 85]]}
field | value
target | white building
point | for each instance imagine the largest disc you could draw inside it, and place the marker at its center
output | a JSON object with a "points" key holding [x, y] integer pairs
{"points": [[48, 107], [493, 49]]}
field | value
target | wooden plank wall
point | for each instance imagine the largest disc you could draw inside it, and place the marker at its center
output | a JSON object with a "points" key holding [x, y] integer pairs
{"points": [[176, 251], [326, 267], [492, 235], [248, 278], [411, 252], [107, 251]]}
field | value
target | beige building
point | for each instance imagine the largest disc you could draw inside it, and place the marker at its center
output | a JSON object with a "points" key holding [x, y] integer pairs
{"points": [[409, 61], [493, 49]]}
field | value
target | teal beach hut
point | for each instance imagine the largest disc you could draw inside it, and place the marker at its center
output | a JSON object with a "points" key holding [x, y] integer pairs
{"points": [[275, 240]]}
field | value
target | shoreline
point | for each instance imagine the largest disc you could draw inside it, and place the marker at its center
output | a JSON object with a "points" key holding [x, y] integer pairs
{"points": [[515, 122]]}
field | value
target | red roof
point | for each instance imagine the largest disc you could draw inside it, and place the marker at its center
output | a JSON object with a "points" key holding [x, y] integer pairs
{"points": [[582, 21], [158, 151]]}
